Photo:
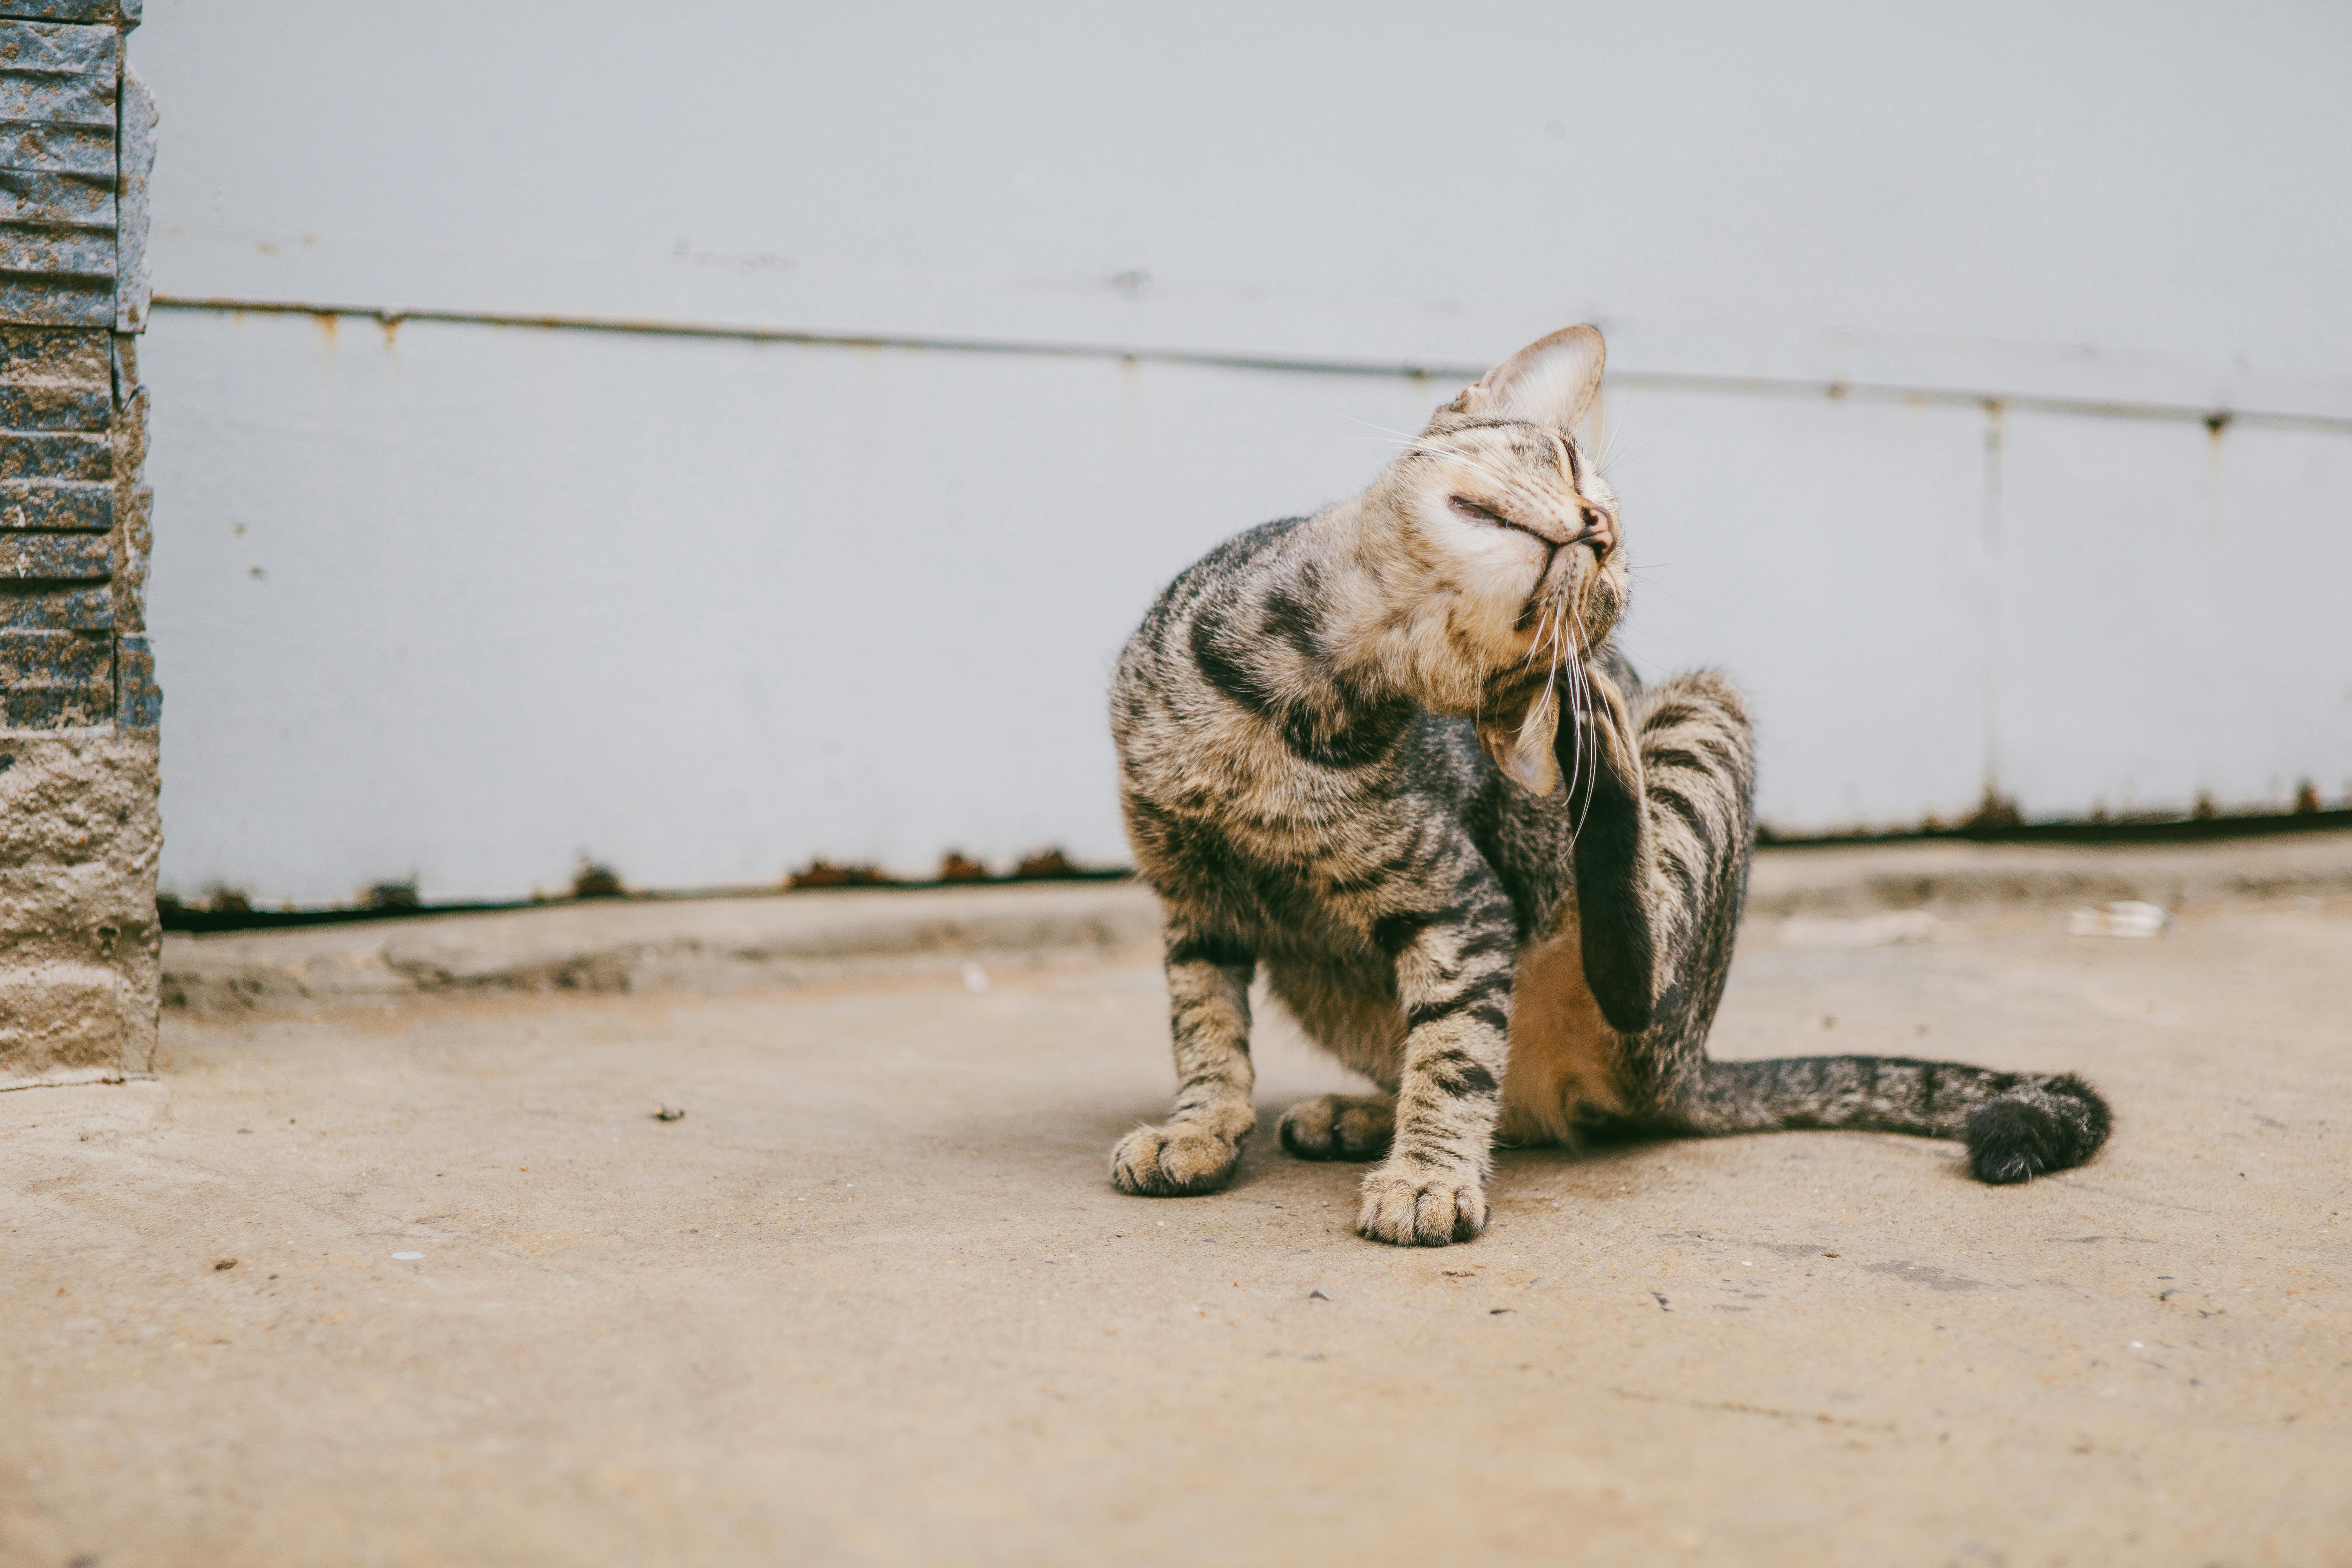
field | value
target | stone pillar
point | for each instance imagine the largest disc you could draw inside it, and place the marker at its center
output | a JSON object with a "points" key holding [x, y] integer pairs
{"points": [[78, 704]]}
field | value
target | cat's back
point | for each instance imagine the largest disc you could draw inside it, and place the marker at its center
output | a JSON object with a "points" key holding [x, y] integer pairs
{"points": [[1162, 696], [1156, 654]]}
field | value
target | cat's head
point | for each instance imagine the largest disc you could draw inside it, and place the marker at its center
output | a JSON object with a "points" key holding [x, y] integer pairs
{"points": [[1494, 542]]}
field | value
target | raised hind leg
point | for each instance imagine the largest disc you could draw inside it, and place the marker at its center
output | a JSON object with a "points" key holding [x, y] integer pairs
{"points": [[1661, 872], [1662, 784]]}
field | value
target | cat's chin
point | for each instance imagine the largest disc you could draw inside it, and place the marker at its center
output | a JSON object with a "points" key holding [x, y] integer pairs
{"points": [[1579, 620], [1598, 594]]}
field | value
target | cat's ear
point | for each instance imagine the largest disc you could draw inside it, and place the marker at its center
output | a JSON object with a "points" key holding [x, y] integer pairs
{"points": [[1522, 747], [1549, 382]]}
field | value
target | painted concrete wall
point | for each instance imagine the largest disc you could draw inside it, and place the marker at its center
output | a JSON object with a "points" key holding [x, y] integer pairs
{"points": [[462, 601]]}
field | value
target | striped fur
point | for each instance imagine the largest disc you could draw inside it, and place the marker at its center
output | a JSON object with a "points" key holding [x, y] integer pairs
{"points": [[1389, 754]]}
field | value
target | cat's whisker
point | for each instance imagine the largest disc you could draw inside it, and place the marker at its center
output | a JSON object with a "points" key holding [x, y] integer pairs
{"points": [[1417, 450], [1613, 456], [1594, 783], [1547, 634], [1551, 676], [1382, 428], [1576, 700], [1543, 631], [1551, 673], [1416, 446], [1546, 637]]}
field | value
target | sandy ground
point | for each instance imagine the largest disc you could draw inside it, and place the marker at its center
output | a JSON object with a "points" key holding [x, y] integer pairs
{"points": [[872, 1299]]}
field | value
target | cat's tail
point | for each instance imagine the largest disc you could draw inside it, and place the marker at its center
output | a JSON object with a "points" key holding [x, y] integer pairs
{"points": [[2017, 1125]]}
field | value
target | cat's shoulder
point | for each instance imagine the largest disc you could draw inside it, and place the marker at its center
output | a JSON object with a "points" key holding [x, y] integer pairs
{"points": [[1211, 578], [1234, 556]]}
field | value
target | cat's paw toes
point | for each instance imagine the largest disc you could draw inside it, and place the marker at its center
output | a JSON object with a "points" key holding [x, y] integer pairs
{"points": [[1340, 1127], [1416, 1208], [1172, 1162]]}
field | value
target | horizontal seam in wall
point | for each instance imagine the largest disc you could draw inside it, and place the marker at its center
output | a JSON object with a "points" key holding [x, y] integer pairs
{"points": [[1665, 381]]}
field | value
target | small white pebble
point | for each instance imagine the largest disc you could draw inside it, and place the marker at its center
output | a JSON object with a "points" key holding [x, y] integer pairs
{"points": [[406, 1256]]}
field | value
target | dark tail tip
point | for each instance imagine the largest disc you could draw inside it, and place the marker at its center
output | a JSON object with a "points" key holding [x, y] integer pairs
{"points": [[2042, 1125]]}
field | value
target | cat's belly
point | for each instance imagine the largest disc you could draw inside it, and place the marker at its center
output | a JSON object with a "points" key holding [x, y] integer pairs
{"points": [[1563, 1055]]}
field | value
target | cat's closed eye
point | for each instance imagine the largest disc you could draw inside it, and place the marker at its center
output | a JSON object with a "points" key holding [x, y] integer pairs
{"points": [[1471, 512]]}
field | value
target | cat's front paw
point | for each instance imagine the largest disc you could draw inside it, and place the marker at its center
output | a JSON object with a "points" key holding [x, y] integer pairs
{"points": [[1340, 1127], [1173, 1162], [1407, 1207]]}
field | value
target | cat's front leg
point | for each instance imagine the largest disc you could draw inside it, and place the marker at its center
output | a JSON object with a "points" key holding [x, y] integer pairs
{"points": [[1454, 980], [1209, 1018]]}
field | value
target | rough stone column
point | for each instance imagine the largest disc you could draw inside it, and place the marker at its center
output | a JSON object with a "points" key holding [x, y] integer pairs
{"points": [[78, 705]]}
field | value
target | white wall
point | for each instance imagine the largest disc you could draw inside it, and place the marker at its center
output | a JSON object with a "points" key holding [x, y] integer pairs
{"points": [[703, 607]]}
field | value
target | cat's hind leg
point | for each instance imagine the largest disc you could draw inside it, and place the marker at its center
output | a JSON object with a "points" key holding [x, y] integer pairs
{"points": [[1209, 1020], [1340, 1127], [1349, 1014], [1661, 871]]}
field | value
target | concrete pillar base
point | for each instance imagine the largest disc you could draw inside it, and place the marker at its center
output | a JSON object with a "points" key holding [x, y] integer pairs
{"points": [[78, 941]]}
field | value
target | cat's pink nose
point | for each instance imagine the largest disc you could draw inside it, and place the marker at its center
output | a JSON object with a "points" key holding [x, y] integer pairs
{"points": [[1598, 532]]}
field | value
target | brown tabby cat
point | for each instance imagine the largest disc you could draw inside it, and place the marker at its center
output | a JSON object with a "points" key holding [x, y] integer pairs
{"points": [[1390, 753]]}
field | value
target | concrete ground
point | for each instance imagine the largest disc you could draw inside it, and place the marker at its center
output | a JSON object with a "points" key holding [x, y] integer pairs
{"points": [[418, 1278]]}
